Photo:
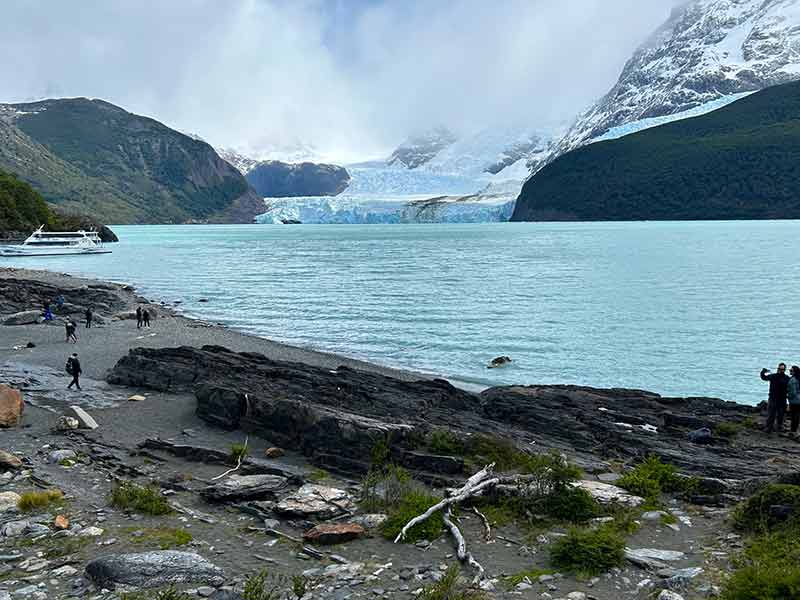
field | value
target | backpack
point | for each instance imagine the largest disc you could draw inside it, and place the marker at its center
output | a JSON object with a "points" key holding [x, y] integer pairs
{"points": [[69, 366]]}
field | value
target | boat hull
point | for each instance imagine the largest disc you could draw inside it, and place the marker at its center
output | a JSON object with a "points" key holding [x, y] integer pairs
{"points": [[19, 251]]}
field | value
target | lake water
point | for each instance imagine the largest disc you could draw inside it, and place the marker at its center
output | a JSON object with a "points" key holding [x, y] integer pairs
{"points": [[677, 308]]}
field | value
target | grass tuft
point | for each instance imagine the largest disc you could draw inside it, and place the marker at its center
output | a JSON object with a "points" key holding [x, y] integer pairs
{"points": [[238, 453], [166, 538], [32, 501], [127, 495], [410, 505], [651, 478], [170, 593], [728, 429], [588, 551], [449, 587], [755, 515], [265, 586]]}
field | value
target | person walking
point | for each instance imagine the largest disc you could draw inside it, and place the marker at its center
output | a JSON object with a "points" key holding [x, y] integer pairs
{"points": [[146, 317], [72, 329], [793, 392], [138, 317], [778, 390], [89, 316], [74, 368], [67, 329]]}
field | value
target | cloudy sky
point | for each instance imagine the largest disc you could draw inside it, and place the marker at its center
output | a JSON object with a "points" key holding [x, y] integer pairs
{"points": [[351, 78]]}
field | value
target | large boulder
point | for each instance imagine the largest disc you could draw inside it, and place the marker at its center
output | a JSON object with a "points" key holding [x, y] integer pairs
{"points": [[244, 487], [316, 501], [9, 461], [153, 569], [26, 317], [11, 406], [333, 533]]}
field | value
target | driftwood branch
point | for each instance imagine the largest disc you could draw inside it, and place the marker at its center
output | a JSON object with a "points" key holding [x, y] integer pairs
{"points": [[238, 462], [461, 545], [486, 526]]}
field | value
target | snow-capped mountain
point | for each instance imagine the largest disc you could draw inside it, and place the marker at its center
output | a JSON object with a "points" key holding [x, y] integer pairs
{"points": [[708, 53], [419, 149], [242, 163]]}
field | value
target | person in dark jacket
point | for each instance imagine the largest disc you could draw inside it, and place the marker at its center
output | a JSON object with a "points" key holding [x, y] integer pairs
{"points": [[89, 316], [793, 390], [778, 390], [138, 317], [71, 328], [146, 317], [74, 370]]}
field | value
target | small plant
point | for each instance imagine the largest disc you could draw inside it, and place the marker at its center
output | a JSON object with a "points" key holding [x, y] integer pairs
{"points": [[300, 585], [238, 453], [165, 538], [382, 452], [651, 478], [450, 588], [532, 576], [727, 429], [56, 547], [127, 495], [411, 505], [444, 441], [756, 513], [384, 489], [768, 569], [32, 501], [264, 586], [588, 551], [318, 475], [668, 519], [171, 593], [571, 504]]}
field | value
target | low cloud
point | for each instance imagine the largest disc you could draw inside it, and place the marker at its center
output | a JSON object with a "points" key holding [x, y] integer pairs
{"points": [[350, 78]]}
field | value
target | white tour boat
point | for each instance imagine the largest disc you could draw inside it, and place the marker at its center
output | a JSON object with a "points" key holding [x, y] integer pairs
{"points": [[57, 243]]}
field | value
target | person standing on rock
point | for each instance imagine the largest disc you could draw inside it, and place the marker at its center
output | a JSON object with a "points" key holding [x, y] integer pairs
{"points": [[146, 317], [138, 317], [74, 369], [71, 331], [89, 316], [793, 390], [778, 390]]}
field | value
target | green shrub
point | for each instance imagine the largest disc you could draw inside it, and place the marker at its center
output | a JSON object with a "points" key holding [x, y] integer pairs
{"points": [[265, 586], [450, 588], [532, 575], [382, 452], [411, 505], [727, 429], [238, 453], [126, 495], [171, 593], [383, 489], [651, 478], [165, 538], [753, 515], [572, 504], [769, 569], [588, 551], [32, 501], [444, 441]]}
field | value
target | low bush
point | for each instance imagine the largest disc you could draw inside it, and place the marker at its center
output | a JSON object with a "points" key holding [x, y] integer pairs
{"points": [[411, 505], [32, 501], [165, 538], [727, 429], [650, 478], [571, 504], [127, 495], [756, 515], [265, 586], [588, 551], [238, 453], [383, 489], [450, 587], [444, 441], [532, 575], [171, 593], [768, 569]]}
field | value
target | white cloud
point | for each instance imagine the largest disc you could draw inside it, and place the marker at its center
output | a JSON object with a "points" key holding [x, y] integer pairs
{"points": [[350, 77]]}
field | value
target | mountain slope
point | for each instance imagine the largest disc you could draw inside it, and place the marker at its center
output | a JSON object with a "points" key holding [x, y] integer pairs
{"points": [[93, 157], [707, 50], [739, 162], [275, 179]]}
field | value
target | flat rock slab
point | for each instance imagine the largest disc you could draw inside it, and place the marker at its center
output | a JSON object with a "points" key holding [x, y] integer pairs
{"points": [[9, 461], [244, 487], [333, 533], [652, 557], [11, 406], [84, 419], [8, 501], [26, 317], [153, 569], [605, 493], [316, 501]]}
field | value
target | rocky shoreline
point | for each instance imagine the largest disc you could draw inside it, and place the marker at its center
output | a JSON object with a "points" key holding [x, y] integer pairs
{"points": [[263, 454]]}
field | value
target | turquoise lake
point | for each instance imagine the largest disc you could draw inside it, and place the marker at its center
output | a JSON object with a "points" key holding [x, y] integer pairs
{"points": [[677, 308]]}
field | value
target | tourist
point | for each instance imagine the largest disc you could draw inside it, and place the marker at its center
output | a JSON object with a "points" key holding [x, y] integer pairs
{"points": [[59, 302], [138, 317], [89, 316], [72, 329], [778, 389], [793, 390], [48, 314], [74, 369], [146, 317]]}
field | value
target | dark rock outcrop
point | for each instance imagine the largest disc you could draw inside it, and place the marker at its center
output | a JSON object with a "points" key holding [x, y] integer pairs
{"points": [[275, 179], [18, 295], [153, 569], [337, 417]]}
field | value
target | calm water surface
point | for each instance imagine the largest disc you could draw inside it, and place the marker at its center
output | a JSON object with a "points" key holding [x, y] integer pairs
{"points": [[677, 308]]}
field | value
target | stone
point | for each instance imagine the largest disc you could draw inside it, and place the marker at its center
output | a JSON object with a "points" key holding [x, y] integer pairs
{"points": [[14, 528], [682, 577], [56, 456], [8, 501], [153, 569], [654, 554], [333, 533], [91, 532], [244, 487], [274, 452], [86, 421], [701, 436], [576, 596], [11, 406], [668, 595], [9, 461], [500, 361], [653, 515], [65, 571], [61, 522], [136, 398], [226, 595], [605, 493], [609, 477], [316, 501], [26, 317], [370, 520], [65, 423]]}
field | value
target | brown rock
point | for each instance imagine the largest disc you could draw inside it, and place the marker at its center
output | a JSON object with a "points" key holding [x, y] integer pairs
{"points": [[136, 398], [333, 533], [11, 406], [9, 461], [61, 522], [274, 452]]}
